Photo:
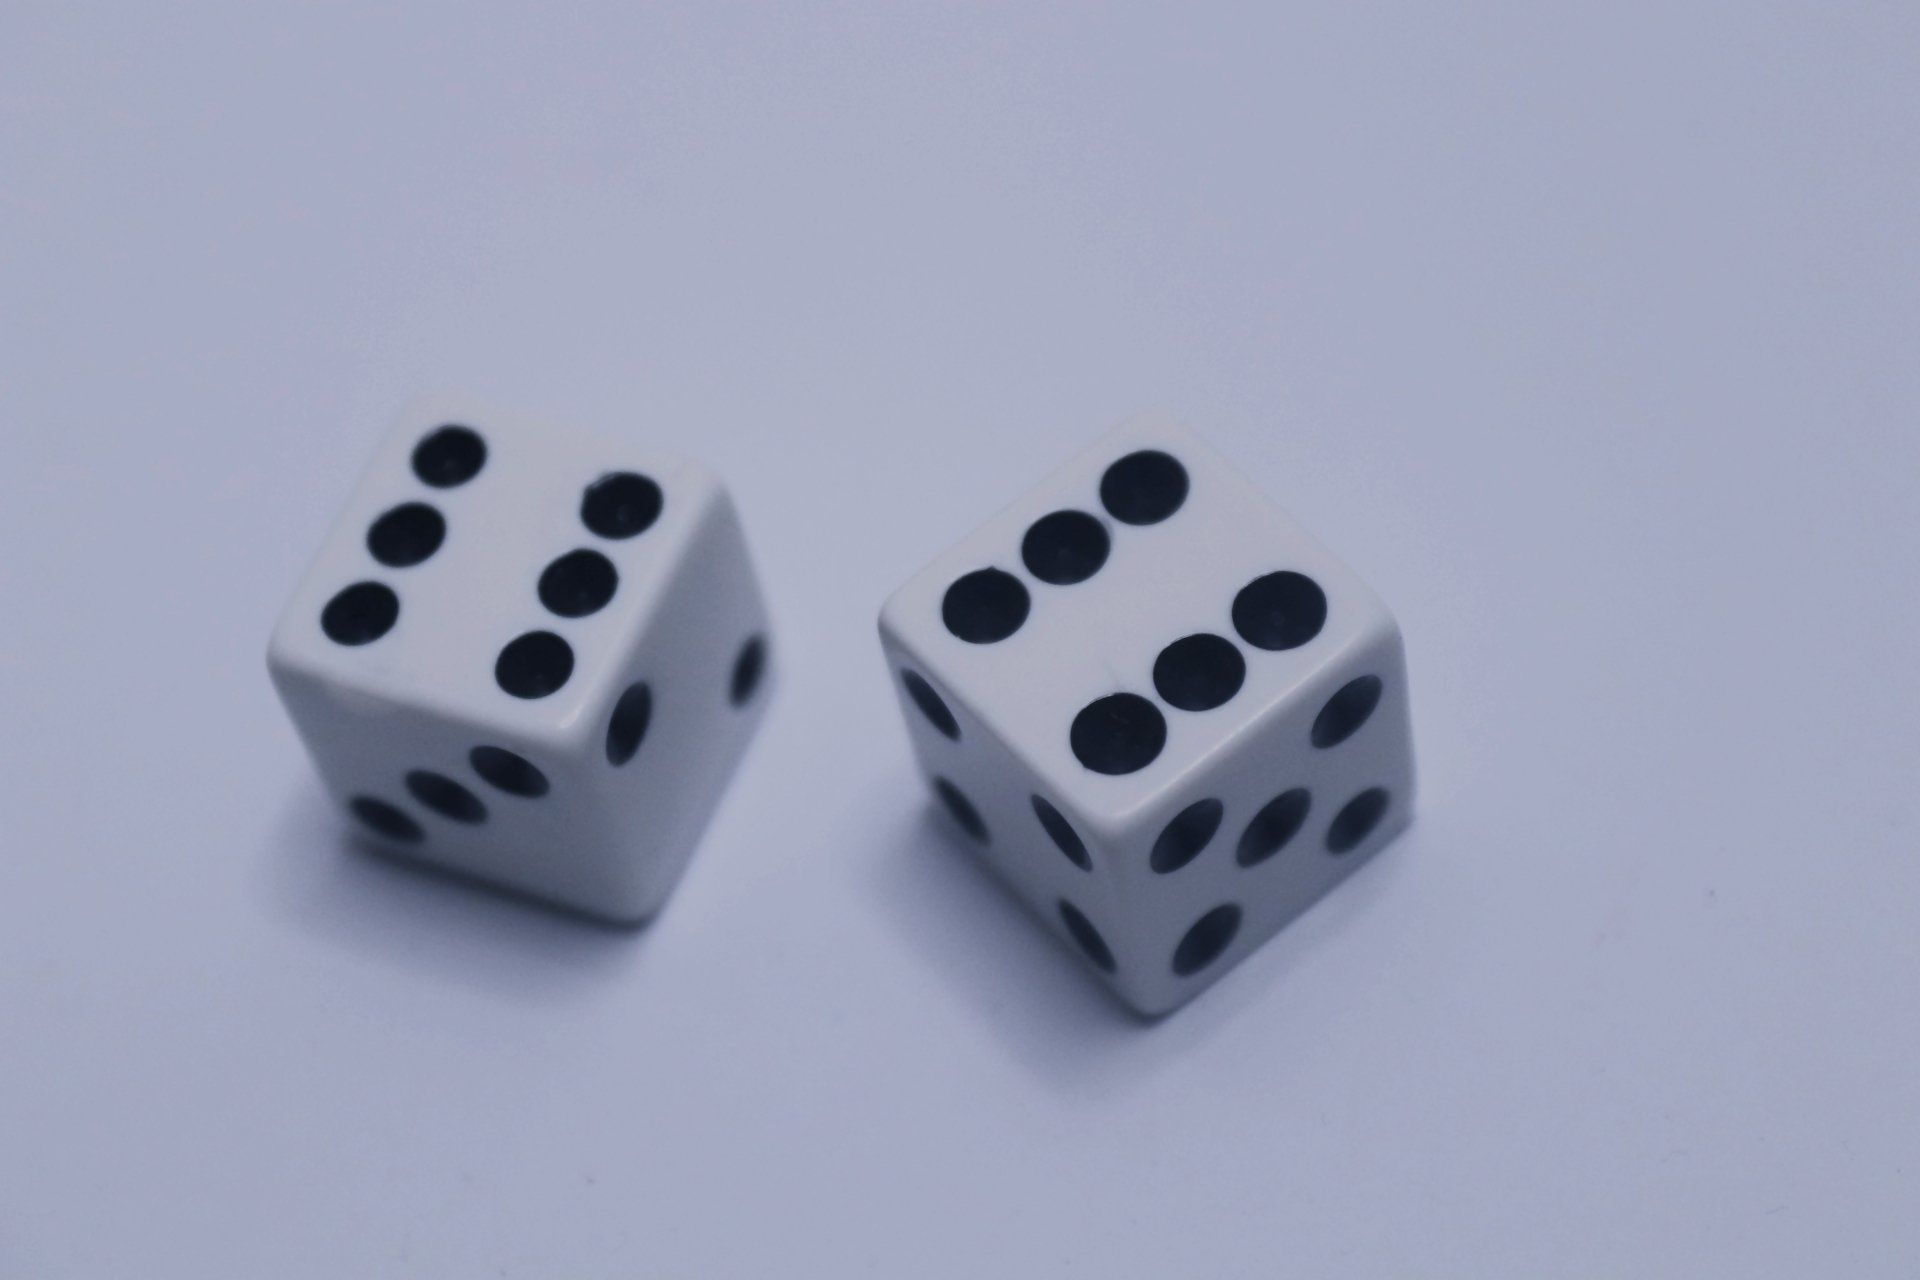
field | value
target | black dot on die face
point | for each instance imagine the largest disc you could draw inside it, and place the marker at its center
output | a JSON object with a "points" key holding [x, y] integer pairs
{"points": [[1189, 832], [579, 583], [985, 607], [1119, 733], [1346, 711], [1061, 832], [1274, 827], [1144, 487], [931, 704], [360, 614], [621, 505], [1211, 934], [1086, 937], [534, 665], [962, 809], [407, 535], [1356, 821], [509, 771], [449, 456], [749, 668], [388, 820], [628, 724], [445, 796], [1065, 547], [1199, 673], [1280, 611]]}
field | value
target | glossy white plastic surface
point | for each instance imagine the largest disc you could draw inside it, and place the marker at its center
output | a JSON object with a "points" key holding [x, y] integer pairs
{"points": [[606, 839], [1015, 700]]}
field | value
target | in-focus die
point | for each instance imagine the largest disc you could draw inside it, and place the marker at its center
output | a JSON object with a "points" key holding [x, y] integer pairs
{"points": [[1167, 717], [529, 655]]}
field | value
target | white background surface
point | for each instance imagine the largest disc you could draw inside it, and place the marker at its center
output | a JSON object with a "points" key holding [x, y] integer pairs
{"points": [[1590, 340]]}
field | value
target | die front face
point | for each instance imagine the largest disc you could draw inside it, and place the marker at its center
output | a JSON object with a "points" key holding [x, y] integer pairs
{"points": [[1149, 697], [529, 655]]}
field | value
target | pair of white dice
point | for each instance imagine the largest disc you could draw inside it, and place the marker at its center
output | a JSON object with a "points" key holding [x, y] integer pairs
{"points": [[1168, 718]]}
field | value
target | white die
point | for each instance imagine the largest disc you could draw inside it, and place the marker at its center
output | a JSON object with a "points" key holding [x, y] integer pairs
{"points": [[1164, 714], [529, 655]]}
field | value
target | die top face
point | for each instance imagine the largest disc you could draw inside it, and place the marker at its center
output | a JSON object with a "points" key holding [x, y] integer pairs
{"points": [[1129, 621], [490, 570]]}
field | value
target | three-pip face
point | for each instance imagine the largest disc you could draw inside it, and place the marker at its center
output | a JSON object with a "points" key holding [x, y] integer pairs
{"points": [[1167, 716], [529, 655]]}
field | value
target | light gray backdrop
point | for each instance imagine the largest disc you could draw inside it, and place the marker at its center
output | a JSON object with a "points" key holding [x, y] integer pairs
{"points": [[1589, 337]]}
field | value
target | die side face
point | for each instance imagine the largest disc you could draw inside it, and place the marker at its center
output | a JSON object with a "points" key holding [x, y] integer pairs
{"points": [[1154, 711], [701, 677], [546, 700], [1260, 837], [1211, 872]]}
